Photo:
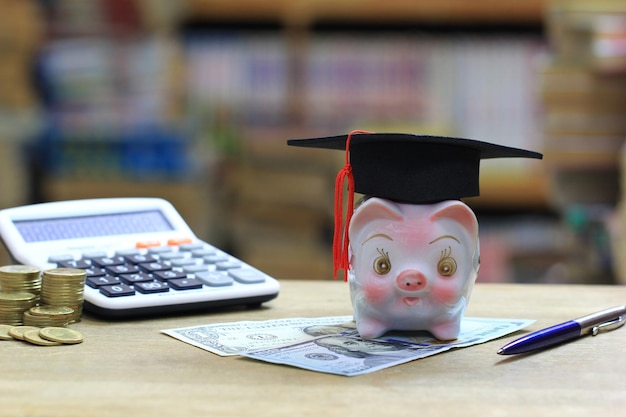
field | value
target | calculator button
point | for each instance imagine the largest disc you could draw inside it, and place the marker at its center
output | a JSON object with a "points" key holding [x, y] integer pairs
{"points": [[155, 266], [212, 259], [80, 264], [106, 261], [171, 255], [159, 250], [151, 287], [223, 266], [167, 275], [214, 279], [54, 259], [139, 258], [147, 244], [179, 241], [96, 254], [183, 262], [192, 269], [185, 283], [94, 272], [131, 279], [200, 253], [188, 247], [126, 252], [246, 276], [118, 290], [96, 282], [122, 269]]}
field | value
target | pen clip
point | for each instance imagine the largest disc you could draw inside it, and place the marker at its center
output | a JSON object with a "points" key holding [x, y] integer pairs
{"points": [[608, 325]]}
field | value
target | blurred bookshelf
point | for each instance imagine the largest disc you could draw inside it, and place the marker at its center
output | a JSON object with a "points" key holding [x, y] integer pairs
{"points": [[194, 100]]}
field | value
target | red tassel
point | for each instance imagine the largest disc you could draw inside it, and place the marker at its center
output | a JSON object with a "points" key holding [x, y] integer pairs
{"points": [[341, 241]]}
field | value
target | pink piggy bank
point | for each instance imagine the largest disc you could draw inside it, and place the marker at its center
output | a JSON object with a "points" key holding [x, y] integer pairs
{"points": [[412, 266]]}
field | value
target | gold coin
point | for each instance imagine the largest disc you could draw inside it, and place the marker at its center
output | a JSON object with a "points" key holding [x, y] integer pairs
{"points": [[51, 310], [16, 296], [33, 337], [20, 288], [61, 335], [65, 273], [19, 269], [4, 332], [17, 332]]}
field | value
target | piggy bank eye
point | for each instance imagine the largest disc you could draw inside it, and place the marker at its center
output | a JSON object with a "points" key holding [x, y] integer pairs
{"points": [[446, 265], [382, 264]]}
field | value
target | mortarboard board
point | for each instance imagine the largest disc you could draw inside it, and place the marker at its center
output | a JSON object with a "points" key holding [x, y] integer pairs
{"points": [[406, 168]]}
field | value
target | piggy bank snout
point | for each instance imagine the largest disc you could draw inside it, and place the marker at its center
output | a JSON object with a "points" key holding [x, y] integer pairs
{"points": [[411, 280]]}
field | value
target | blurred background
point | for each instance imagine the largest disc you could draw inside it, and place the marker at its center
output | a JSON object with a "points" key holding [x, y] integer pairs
{"points": [[193, 101]]}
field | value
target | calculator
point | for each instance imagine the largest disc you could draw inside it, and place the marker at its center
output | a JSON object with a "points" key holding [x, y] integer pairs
{"points": [[140, 257]]}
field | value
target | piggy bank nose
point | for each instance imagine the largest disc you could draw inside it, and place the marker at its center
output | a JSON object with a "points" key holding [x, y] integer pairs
{"points": [[411, 280]]}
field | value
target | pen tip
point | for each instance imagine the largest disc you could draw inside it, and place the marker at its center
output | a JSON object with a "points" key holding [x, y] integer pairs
{"points": [[501, 352]]}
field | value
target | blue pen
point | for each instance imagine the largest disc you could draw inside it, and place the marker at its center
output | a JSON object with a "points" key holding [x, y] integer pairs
{"points": [[592, 324]]}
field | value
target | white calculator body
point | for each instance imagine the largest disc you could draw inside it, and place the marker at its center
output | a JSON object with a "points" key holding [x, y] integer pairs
{"points": [[140, 256]]}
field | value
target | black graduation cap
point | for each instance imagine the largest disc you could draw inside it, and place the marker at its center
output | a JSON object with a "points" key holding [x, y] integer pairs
{"points": [[406, 168], [417, 169]]}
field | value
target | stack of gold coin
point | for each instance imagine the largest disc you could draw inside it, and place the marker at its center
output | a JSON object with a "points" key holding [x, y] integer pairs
{"points": [[13, 305], [64, 287], [48, 316], [20, 278]]}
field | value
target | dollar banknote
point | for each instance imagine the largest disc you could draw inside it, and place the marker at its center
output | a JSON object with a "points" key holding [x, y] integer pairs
{"points": [[235, 338], [332, 344], [350, 355]]}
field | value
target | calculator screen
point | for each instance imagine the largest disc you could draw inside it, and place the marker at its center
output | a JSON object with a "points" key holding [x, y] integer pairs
{"points": [[42, 230]]}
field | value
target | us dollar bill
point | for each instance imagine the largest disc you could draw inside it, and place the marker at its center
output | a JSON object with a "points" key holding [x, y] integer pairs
{"points": [[228, 339], [332, 344], [350, 355]]}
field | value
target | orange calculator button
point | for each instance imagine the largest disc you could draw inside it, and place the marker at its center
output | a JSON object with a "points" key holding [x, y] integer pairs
{"points": [[179, 241], [147, 244]]}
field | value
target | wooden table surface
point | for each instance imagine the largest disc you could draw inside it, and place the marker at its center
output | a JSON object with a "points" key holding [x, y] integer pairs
{"points": [[129, 368]]}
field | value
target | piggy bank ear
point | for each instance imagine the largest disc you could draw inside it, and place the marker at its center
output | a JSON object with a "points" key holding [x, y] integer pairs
{"points": [[373, 209], [459, 212]]}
